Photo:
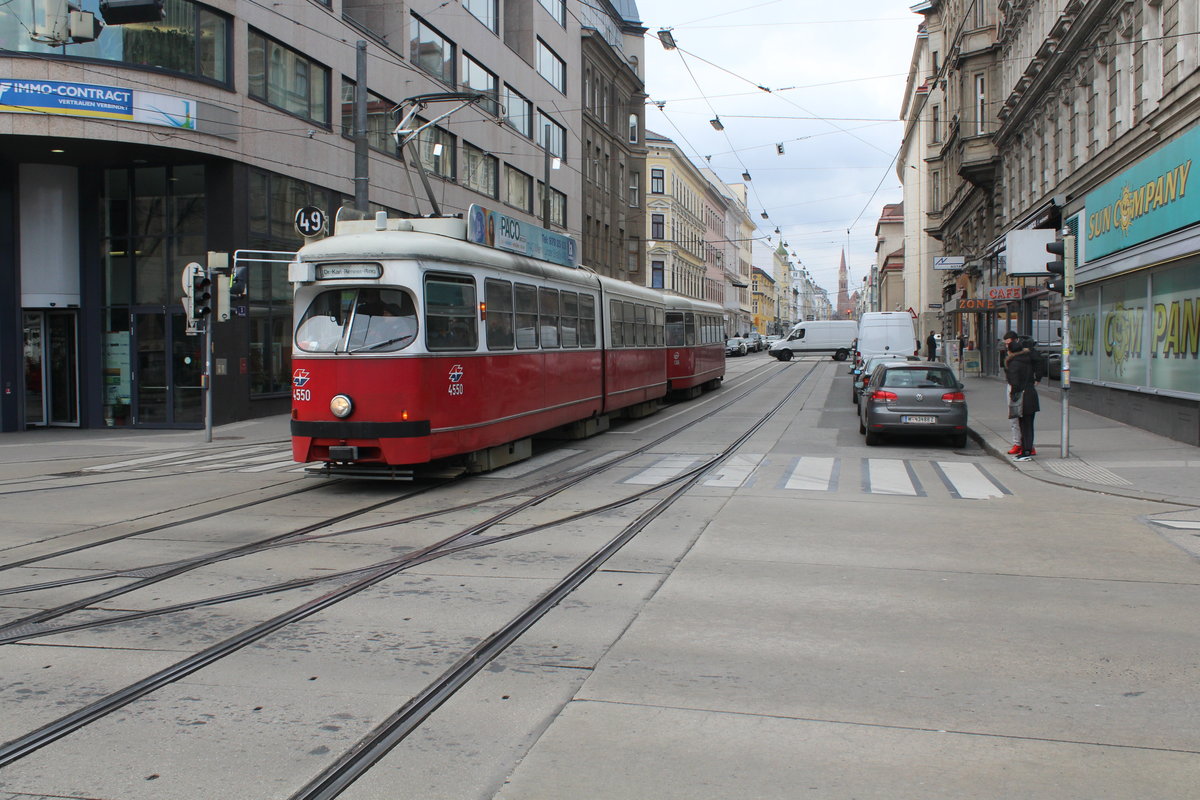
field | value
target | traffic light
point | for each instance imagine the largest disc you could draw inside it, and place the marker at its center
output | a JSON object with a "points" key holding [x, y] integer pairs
{"points": [[1062, 269], [202, 302], [237, 281], [124, 12]]}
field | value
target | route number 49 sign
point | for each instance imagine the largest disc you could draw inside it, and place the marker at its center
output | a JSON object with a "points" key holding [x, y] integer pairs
{"points": [[310, 221]]}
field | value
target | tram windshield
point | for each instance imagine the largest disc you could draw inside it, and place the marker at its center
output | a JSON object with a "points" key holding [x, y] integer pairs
{"points": [[358, 320]]}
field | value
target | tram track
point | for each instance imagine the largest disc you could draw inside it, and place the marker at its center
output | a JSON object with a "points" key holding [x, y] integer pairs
{"points": [[357, 580]]}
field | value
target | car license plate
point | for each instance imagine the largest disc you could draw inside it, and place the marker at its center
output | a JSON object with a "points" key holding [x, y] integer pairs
{"points": [[918, 420]]}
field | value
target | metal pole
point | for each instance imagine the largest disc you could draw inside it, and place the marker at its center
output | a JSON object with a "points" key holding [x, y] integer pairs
{"points": [[546, 179], [362, 155], [208, 378], [1065, 377]]}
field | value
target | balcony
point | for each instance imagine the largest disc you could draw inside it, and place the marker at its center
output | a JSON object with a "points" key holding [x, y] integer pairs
{"points": [[978, 160]]}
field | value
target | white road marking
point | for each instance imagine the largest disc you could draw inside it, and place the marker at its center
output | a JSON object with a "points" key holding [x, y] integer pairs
{"points": [[812, 474]]}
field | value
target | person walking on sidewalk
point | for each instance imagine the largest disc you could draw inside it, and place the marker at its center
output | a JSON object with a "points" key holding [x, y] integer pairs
{"points": [[1021, 374], [931, 347]]}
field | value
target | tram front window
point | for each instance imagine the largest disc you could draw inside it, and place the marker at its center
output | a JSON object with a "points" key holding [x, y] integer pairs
{"points": [[358, 320]]}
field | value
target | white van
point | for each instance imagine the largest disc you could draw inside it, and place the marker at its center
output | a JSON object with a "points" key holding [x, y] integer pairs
{"points": [[886, 332], [833, 336]]}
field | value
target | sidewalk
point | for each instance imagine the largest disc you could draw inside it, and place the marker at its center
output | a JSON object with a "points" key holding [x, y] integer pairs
{"points": [[1104, 455]]}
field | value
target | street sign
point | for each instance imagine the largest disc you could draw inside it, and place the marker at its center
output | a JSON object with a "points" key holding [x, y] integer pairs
{"points": [[949, 262]]}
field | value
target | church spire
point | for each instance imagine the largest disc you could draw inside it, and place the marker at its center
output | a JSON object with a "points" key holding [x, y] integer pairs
{"points": [[844, 310]]}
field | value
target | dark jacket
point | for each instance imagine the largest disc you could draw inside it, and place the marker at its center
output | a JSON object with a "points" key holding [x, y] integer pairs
{"points": [[1020, 372]]}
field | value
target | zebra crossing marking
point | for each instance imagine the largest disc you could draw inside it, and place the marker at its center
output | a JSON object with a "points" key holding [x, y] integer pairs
{"points": [[813, 474], [734, 471], [891, 476], [133, 462], [969, 481], [665, 469]]}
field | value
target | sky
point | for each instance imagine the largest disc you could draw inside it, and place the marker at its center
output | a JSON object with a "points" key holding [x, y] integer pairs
{"points": [[836, 74]]}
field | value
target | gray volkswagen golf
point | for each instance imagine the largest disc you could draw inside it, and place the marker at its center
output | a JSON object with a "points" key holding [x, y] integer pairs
{"points": [[916, 398]]}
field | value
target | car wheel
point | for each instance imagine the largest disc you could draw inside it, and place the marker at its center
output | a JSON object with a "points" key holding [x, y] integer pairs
{"points": [[784, 355], [958, 441], [861, 428], [841, 355], [874, 438], [854, 396]]}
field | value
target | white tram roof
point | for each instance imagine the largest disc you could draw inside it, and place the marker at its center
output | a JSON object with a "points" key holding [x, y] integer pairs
{"points": [[444, 239]]}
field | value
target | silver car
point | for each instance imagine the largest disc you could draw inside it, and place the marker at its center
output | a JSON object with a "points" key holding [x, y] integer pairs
{"points": [[913, 397], [862, 373]]}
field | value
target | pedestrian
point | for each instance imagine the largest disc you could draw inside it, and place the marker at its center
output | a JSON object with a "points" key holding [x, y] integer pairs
{"points": [[1023, 404], [931, 347]]}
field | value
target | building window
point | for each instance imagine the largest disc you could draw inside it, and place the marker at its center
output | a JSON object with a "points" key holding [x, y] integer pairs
{"points": [[518, 188], [431, 51], [935, 124], [517, 111], [657, 271], [484, 11], [635, 189], [633, 129], [436, 149], [557, 9], [281, 77], [658, 226], [191, 40], [480, 170], [551, 67], [477, 78], [379, 119], [557, 142], [558, 205], [657, 182], [980, 104]]}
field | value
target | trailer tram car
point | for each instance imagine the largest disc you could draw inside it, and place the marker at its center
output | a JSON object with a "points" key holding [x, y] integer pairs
{"points": [[415, 346], [695, 346]]}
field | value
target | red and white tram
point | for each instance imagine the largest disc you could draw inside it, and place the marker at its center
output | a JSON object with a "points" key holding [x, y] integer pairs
{"points": [[413, 344], [695, 338]]}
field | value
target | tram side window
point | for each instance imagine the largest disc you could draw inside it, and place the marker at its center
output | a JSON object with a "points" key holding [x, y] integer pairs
{"points": [[639, 324], [450, 313], [587, 320], [690, 322], [548, 306], [628, 324], [675, 329], [499, 304], [569, 321], [527, 316], [615, 324], [658, 332]]}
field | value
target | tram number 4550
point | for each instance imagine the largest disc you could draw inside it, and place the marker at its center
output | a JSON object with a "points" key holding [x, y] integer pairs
{"points": [[455, 389], [302, 395]]}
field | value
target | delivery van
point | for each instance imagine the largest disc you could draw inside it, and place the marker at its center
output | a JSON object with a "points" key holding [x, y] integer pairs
{"points": [[886, 332], [832, 336]]}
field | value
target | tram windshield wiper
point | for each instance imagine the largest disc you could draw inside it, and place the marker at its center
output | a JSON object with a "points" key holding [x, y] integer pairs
{"points": [[384, 343]]}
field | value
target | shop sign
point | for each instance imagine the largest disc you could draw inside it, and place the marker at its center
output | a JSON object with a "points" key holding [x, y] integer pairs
{"points": [[1005, 292], [1147, 200], [976, 304], [96, 102]]}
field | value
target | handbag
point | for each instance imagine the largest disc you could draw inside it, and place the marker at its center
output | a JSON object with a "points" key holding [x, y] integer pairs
{"points": [[1015, 404]]}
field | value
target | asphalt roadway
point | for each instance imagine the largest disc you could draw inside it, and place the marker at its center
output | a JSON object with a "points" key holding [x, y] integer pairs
{"points": [[1042, 644]]}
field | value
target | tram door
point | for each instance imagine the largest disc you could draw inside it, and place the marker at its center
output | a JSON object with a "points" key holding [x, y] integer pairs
{"points": [[168, 366], [51, 368]]}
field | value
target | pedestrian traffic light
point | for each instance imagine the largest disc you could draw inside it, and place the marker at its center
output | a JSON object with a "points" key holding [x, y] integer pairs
{"points": [[202, 304], [237, 281], [1062, 269]]}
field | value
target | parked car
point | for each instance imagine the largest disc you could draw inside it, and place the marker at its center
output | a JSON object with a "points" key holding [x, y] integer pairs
{"points": [[862, 374], [772, 339], [735, 346], [913, 397], [754, 341]]}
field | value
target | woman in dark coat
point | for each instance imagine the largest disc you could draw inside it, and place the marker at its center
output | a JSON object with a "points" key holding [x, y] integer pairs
{"points": [[1021, 375]]}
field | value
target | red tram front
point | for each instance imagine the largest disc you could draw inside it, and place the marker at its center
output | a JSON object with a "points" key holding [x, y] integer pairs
{"points": [[695, 339]]}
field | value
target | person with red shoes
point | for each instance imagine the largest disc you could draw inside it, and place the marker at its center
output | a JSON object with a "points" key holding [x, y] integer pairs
{"points": [[1021, 375]]}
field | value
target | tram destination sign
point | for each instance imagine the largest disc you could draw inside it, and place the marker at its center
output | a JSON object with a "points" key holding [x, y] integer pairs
{"points": [[493, 229]]}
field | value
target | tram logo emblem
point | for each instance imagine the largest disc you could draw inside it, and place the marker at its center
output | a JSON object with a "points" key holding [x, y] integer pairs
{"points": [[300, 377], [456, 373]]}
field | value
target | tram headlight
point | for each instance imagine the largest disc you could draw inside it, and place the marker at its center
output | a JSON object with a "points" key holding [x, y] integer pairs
{"points": [[341, 406]]}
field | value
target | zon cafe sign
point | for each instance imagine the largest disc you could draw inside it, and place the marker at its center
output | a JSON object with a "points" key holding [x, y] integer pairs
{"points": [[993, 299], [1147, 200]]}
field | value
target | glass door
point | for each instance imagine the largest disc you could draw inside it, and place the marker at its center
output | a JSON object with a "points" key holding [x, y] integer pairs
{"points": [[168, 368], [51, 347]]}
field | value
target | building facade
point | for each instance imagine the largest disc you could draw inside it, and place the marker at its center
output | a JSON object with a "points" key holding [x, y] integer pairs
{"points": [[1071, 117], [125, 158]]}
